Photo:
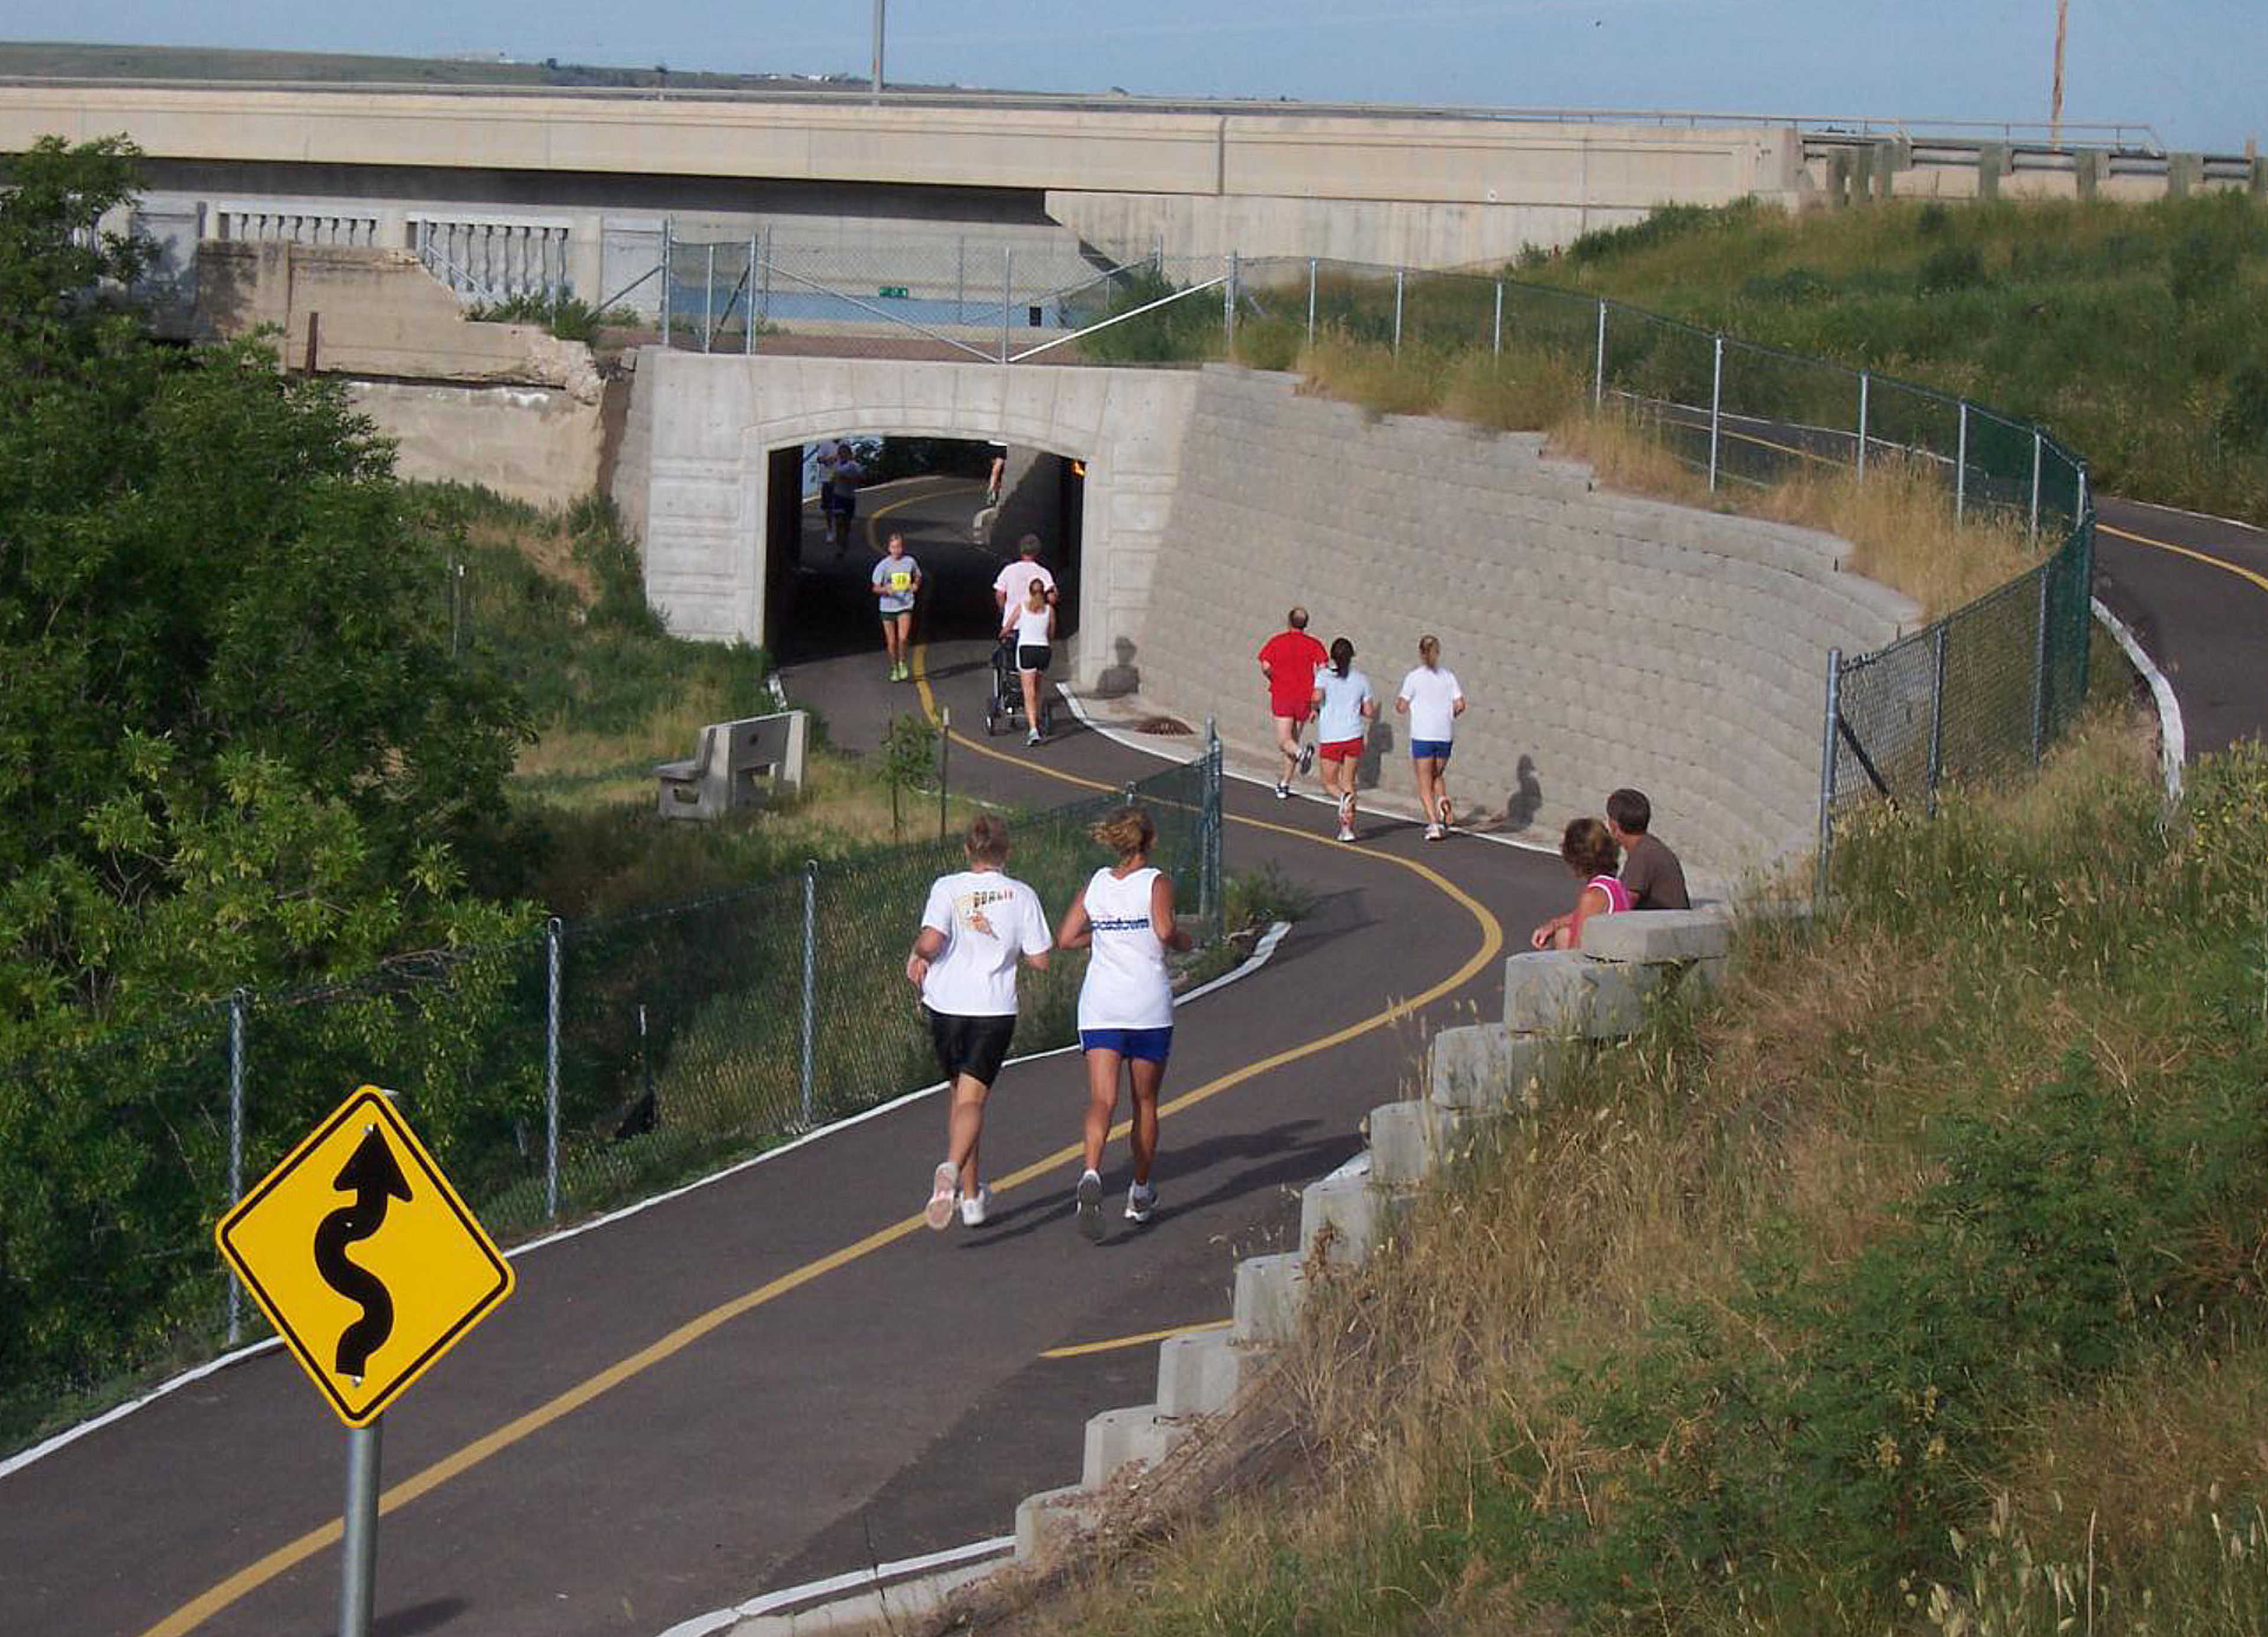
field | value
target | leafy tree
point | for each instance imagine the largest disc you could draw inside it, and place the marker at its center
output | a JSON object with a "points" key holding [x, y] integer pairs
{"points": [[234, 745]]}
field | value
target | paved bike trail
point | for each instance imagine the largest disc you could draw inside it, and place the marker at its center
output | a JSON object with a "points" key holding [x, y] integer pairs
{"points": [[2194, 590], [780, 1374]]}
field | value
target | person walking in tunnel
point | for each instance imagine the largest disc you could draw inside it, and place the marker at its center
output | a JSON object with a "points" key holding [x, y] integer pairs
{"points": [[896, 581], [1031, 628], [977, 924], [1124, 914]]}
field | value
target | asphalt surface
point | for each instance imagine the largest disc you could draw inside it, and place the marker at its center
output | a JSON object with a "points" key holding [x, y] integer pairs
{"points": [[781, 1374], [2194, 590]]}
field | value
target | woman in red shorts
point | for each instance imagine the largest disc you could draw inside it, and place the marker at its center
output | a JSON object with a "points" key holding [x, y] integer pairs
{"points": [[1345, 708]]}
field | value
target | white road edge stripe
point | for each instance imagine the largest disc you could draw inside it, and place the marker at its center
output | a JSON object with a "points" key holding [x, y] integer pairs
{"points": [[2173, 742], [857, 1579], [16, 1463]]}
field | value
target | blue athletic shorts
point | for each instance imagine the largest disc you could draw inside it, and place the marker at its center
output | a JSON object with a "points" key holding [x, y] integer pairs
{"points": [[1421, 750], [1150, 1044]]}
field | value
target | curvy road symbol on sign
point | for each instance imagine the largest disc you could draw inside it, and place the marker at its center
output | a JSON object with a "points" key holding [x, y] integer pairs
{"points": [[373, 1177], [365, 1258]]}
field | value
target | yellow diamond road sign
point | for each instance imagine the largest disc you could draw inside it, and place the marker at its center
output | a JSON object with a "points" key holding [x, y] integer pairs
{"points": [[364, 1256]]}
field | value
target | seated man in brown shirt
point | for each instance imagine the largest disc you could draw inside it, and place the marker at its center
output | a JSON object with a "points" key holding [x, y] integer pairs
{"points": [[1650, 870]]}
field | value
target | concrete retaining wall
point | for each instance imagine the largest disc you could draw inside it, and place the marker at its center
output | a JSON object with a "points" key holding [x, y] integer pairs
{"points": [[533, 444], [1602, 640]]}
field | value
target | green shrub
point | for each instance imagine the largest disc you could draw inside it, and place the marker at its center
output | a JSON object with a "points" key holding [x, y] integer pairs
{"points": [[569, 317]]}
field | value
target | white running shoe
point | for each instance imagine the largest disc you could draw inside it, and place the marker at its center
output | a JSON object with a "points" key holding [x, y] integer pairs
{"points": [[1282, 791], [1033, 738], [940, 1209], [975, 1209], [1090, 1207], [1306, 759], [1346, 833], [1141, 1201], [1434, 832]]}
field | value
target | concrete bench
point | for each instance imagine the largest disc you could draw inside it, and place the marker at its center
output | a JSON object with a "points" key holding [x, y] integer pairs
{"points": [[739, 764]]}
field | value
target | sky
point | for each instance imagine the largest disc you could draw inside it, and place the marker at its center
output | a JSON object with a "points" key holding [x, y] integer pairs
{"points": [[2194, 70]]}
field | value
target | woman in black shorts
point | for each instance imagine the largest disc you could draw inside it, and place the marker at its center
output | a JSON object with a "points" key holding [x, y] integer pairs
{"points": [[1032, 625], [978, 922]]}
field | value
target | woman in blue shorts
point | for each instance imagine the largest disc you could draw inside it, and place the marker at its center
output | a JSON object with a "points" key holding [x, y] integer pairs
{"points": [[1124, 914], [1431, 698]]}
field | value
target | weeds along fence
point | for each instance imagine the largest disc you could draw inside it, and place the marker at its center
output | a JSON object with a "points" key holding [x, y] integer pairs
{"points": [[1986, 689], [591, 1065]]}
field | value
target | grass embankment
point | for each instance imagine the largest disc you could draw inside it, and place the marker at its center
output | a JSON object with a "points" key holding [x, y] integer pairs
{"points": [[2137, 333], [1912, 1284]]}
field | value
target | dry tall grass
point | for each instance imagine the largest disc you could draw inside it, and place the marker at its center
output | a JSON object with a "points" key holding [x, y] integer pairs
{"points": [[1792, 1109]]}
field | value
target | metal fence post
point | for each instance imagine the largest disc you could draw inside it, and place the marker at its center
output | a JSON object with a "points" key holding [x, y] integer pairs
{"points": [[552, 930], [748, 304], [1228, 306], [1598, 367], [709, 300], [1960, 468], [1496, 333], [944, 752], [961, 279], [1826, 779], [668, 276], [1866, 381], [1007, 294], [764, 308], [1716, 406], [810, 981], [1310, 301], [1401, 276], [236, 1004], [1937, 712], [1213, 823], [2040, 668], [2039, 443]]}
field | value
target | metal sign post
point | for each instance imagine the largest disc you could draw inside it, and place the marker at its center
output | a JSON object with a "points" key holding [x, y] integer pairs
{"points": [[358, 1552]]}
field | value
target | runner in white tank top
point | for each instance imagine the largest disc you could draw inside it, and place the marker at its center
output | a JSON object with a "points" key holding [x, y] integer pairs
{"points": [[1125, 915]]}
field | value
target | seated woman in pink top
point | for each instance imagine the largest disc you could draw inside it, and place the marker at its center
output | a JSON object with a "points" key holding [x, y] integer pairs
{"points": [[1591, 852]]}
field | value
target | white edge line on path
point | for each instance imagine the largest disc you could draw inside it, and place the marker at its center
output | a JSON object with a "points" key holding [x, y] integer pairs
{"points": [[16, 1463], [1143, 743], [2173, 742], [875, 1577]]}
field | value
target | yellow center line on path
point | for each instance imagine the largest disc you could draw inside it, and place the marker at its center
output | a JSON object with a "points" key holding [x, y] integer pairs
{"points": [[1085, 1347], [2238, 569], [193, 1613]]}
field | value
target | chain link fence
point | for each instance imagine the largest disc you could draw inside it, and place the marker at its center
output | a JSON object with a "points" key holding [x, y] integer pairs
{"points": [[592, 1064]]}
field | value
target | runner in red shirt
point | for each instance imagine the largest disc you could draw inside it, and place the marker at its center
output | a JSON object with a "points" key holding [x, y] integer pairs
{"points": [[1288, 660]]}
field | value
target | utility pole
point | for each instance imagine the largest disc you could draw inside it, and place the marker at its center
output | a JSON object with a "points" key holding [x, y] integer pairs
{"points": [[2055, 97], [878, 60]]}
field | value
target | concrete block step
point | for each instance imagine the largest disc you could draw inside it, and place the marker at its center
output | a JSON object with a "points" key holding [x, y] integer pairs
{"points": [[1484, 1068], [1270, 1290], [1198, 1373], [1565, 994], [1046, 1521], [1409, 1141], [1339, 1215], [1116, 1438], [1658, 935]]}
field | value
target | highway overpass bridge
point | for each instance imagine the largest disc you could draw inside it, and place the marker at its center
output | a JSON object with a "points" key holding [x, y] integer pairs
{"points": [[509, 189]]}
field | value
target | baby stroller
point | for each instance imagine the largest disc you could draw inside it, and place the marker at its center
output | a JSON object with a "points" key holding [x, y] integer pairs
{"points": [[1005, 710]]}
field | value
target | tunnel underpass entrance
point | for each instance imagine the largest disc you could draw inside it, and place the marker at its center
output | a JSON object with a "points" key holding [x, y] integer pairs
{"points": [[819, 601]]}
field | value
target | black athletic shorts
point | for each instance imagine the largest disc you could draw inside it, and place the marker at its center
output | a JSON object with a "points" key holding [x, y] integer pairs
{"points": [[1033, 656], [975, 1046]]}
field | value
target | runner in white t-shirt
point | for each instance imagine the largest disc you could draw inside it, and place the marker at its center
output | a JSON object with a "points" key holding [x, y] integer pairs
{"points": [[1125, 915], [1345, 709], [1431, 698], [977, 923]]}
